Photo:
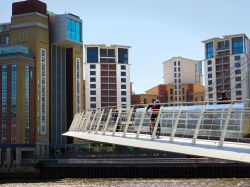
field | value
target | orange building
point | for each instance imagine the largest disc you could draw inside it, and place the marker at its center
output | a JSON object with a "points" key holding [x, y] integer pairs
{"points": [[168, 93], [143, 98]]}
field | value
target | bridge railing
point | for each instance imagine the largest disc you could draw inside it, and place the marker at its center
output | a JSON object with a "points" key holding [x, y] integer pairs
{"points": [[219, 121]]}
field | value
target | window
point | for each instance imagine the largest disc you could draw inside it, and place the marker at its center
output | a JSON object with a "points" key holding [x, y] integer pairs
{"points": [[7, 40], [174, 63], [92, 86], [92, 105], [209, 50], [237, 65], [237, 79], [92, 72], [13, 99], [175, 75], [92, 66], [123, 92], [210, 89], [123, 67], [92, 92], [92, 79], [179, 80], [179, 69], [124, 99], [238, 92], [183, 90], [237, 71], [175, 80], [171, 98], [107, 52], [179, 63], [123, 86], [92, 98], [209, 75], [179, 74], [236, 57], [109, 60], [171, 91], [209, 69], [74, 30], [123, 73], [238, 85], [209, 62], [92, 54], [237, 45], [145, 101], [174, 69], [122, 56], [123, 79], [27, 103], [210, 96], [210, 82]]}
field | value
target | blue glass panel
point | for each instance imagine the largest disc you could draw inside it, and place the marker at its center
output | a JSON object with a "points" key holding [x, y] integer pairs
{"points": [[209, 50], [73, 36], [13, 101], [4, 103], [27, 104], [74, 30], [237, 45], [122, 56], [92, 54], [78, 27]]}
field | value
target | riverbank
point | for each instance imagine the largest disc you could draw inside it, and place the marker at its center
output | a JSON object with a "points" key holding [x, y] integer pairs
{"points": [[130, 168], [138, 182]]}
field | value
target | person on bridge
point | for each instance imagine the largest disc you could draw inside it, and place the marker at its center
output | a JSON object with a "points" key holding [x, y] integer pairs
{"points": [[155, 107], [223, 98]]}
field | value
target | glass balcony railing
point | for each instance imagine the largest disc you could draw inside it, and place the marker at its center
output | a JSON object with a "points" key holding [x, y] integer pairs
{"points": [[224, 47], [15, 50]]}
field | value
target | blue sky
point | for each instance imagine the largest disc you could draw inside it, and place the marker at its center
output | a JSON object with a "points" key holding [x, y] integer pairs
{"points": [[156, 29]]}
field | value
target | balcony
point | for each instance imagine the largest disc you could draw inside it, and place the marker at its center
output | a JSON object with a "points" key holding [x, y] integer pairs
{"points": [[221, 48], [223, 53], [15, 50]]}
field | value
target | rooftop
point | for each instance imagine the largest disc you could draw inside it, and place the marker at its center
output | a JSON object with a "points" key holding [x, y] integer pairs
{"points": [[107, 46], [225, 37]]}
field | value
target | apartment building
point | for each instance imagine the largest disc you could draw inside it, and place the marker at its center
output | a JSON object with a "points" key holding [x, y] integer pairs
{"points": [[107, 72], [183, 78], [227, 67]]}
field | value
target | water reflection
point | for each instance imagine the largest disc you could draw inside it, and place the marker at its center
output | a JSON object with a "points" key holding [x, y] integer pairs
{"points": [[244, 182]]}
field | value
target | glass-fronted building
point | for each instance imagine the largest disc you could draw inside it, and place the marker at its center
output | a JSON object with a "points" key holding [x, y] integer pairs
{"points": [[66, 74], [227, 67], [107, 76]]}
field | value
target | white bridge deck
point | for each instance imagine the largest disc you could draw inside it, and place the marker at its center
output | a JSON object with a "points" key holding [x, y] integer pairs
{"points": [[209, 130]]}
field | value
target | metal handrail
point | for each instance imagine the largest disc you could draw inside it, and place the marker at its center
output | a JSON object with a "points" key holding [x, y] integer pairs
{"points": [[216, 121]]}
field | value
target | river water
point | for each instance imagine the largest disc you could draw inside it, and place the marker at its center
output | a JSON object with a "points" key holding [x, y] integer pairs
{"points": [[244, 182]]}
